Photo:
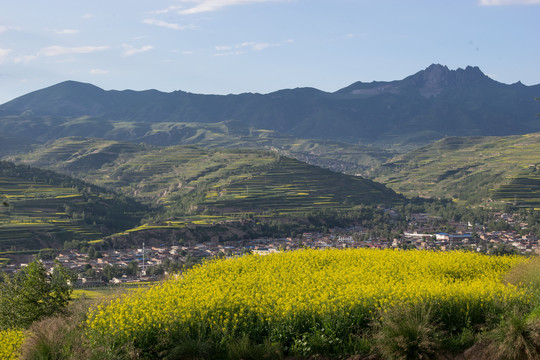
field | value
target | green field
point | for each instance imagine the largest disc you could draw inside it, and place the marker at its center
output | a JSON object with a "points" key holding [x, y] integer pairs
{"points": [[291, 186], [180, 185], [188, 179], [335, 155], [43, 209], [472, 169]]}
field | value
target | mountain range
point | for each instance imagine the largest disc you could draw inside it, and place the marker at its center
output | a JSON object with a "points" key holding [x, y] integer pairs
{"points": [[472, 139], [433, 103]]}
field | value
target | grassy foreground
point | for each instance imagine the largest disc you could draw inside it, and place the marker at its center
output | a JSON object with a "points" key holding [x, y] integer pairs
{"points": [[336, 303]]}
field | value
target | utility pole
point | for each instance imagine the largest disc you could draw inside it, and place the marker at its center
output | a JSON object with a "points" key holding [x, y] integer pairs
{"points": [[143, 272]]}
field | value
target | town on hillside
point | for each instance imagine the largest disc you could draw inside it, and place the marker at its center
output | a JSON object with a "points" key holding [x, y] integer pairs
{"points": [[152, 263]]}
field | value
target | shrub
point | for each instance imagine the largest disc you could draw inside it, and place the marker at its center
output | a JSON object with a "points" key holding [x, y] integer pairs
{"points": [[527, 275], [53, 338], [62, 337], [244, 349], [32, 294], [456, 343], [190, 348], [407, 332], [517, 338]]}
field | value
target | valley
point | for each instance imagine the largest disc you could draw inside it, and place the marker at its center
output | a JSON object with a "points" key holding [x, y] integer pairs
{"points": [[138, 192], [195, 166]]}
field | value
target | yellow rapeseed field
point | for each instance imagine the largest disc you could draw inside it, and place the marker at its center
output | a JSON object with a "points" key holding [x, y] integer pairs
{"points": [[299, 289], [10, 344]]}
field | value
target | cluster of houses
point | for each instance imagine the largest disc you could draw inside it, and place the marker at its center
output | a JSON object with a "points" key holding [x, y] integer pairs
{"points": [[422, 236]]}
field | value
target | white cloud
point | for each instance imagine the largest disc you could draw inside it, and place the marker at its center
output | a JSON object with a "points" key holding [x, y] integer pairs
{"points": [[4, 28], [167, 25], [261, 46], [62, 50], [99, 72], [240, 48], [167, 10], [24, 59], [3, 54], [59, 50], [88, 16], [67, 32], [213, 5], [507, 2], [130, 50], [230, 53]]}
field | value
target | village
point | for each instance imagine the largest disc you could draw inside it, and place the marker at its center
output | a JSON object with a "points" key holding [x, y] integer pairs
{"points": [[143, 264]]}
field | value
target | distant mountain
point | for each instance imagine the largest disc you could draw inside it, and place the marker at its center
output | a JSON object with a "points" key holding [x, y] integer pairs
{"points": [[12, 144], [429, 105], [470, 169]]}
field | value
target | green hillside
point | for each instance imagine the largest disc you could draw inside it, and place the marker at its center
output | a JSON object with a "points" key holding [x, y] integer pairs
{"points": [[12, 144], [291, 186], [42, 209], [190, 179], [472, 169], [338, 156]]}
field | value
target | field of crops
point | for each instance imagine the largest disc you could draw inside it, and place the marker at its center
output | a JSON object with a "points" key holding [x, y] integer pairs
{"points": [[42, 209], [230, 180], [289, 297], [36, 216], [10, 343], [473, 169], [292, 186], [523, 190]]}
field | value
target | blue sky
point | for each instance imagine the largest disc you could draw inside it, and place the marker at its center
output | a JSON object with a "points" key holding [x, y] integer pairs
{"points": [[235, 46]]}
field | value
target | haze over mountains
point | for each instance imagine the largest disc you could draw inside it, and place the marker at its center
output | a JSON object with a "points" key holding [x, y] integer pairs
{"points": [[429, 105]]}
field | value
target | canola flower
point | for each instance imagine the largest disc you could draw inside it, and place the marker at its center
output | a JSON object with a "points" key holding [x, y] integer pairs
{"points": [[280, 294], [11, 341]]}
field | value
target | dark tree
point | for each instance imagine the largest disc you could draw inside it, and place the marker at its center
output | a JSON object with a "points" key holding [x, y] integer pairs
{"points": [[34, 293]]}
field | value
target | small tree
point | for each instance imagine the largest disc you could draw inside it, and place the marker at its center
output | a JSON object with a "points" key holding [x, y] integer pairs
{"points": [[33, 293], [132, 268]]}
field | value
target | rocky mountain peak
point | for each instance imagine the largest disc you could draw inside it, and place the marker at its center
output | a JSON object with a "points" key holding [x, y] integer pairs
{"points": [[435, 78]]}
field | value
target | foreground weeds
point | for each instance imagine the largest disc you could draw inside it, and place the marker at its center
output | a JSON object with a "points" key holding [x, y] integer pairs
{"points": [[408, 332]]}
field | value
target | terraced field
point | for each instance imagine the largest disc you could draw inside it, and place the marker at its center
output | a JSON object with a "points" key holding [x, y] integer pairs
{"points": [[292, 186], [42, 209], [523, 190], [188, 179], [334, 155], [472, 169]]}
